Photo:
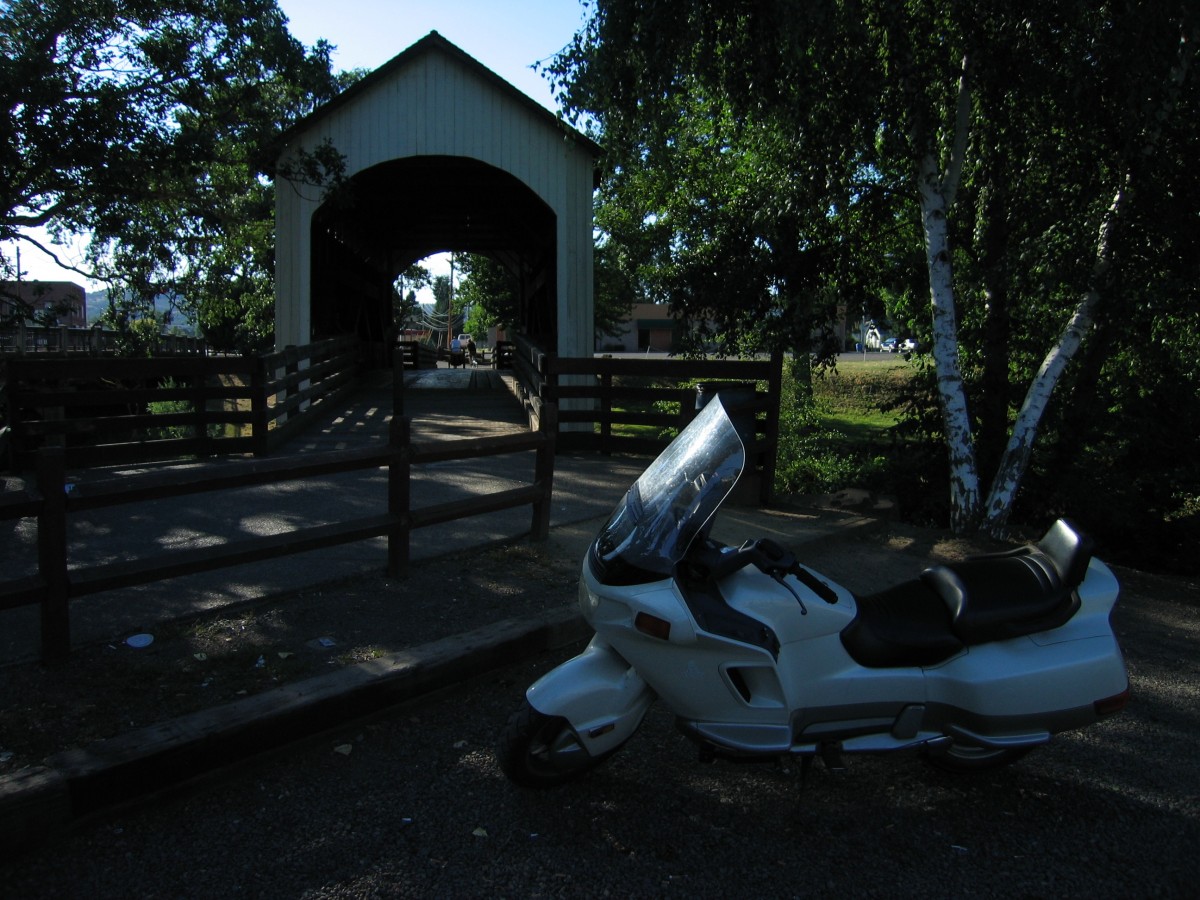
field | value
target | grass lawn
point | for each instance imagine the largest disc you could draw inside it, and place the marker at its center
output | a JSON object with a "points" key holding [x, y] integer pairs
{"points": [[848, 399]]}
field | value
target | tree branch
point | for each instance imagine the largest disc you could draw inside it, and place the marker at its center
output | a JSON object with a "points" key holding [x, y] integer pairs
{"points": [[958, 151], [90, 276]]}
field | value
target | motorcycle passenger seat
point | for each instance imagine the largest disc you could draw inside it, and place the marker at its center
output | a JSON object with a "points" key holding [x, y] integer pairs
{"points": [[1070, 549], [905, 625], [1023, 591]]}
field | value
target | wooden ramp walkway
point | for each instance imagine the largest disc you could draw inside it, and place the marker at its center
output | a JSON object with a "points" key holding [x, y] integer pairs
{"points": [[442, 403]]}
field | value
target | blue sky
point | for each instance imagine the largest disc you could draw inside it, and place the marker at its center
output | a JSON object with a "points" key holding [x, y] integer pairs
{"points": [[506, 36]]}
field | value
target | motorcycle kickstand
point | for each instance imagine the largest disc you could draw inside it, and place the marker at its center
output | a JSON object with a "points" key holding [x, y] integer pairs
{"points": [[831, 755]]}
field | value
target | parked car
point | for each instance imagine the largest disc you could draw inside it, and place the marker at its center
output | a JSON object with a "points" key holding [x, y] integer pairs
{"points": [[887, 345], [908, 345]]}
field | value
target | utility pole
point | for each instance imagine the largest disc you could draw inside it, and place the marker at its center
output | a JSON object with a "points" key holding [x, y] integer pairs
{"points": [[450, 305]]}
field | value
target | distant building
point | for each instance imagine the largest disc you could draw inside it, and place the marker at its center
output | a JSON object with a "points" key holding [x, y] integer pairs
{"points": [[64, 301], [649, 327]]}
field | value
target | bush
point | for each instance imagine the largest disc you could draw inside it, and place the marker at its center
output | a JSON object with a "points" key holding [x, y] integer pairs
{"points": [[168, 407], [816, 457]]}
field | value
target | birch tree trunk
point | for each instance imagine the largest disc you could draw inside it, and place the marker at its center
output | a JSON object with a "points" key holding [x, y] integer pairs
{"points": [[1015, 460], [964, 477]]}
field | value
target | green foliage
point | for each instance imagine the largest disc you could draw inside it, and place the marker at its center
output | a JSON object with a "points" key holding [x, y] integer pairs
{"points": [[441, 294], [830, 433], [764, 162], [405, 306], [717, 198], [137, 336], [168, 407], [489, 290], [153, 127], [174, 407], [1120, 456]]}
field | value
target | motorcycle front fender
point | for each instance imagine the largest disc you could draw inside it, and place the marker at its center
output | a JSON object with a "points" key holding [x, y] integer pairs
{"points": [[598, 693]]}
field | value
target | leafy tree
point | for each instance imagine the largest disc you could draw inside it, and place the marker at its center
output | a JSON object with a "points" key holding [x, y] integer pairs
{"points": [[1011, 146], [408, 282], [150, 126], [442, 295], [489, 291]]}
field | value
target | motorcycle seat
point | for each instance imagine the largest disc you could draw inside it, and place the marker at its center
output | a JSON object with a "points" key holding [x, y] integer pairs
{"points": [[905, 625], [1023, 591]]}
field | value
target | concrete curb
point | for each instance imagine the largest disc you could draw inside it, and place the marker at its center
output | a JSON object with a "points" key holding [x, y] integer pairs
{"points": [[37, 803]]}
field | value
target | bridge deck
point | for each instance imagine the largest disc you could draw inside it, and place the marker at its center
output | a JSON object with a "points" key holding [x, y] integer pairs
{"points": [[442, 404]]}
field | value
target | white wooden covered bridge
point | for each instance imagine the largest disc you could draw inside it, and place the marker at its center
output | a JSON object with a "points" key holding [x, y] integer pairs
{"points": [[441, 154]]}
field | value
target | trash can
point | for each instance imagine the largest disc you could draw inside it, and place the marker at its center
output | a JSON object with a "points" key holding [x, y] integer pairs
{"points": [[734, 394]]}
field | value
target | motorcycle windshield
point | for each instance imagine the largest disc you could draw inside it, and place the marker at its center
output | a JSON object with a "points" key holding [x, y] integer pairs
{"points": [[671, 503]]}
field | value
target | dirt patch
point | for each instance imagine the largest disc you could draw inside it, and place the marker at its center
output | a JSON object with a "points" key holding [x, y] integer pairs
{"points": [[109, 688]]}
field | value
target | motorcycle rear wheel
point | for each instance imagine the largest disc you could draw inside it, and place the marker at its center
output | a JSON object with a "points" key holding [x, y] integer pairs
{"points": [[965, 759], [540, 751]]}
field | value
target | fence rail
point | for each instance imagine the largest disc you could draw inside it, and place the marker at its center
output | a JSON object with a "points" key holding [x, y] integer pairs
{"points": [[637, 405], [417, 355], [56, 583], [106, 410]]}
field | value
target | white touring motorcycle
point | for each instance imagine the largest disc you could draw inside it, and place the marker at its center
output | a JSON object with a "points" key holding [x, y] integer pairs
{"points": [[971, 664]]}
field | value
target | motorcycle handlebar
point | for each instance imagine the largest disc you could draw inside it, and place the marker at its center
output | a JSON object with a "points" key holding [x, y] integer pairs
{"points": [[764, 554], [769, 558]]}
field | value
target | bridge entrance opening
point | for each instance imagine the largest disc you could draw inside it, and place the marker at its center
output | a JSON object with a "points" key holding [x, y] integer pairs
{"points": [[400, 212]]}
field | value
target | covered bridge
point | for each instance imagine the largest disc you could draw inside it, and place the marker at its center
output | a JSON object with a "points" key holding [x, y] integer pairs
{"points": [[441, 154]]}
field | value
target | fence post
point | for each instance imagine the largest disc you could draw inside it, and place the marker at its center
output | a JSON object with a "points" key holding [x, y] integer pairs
{"points": [[543, 472], [258, 406], [200, 416], [398, 383], [399, 495], [770, 460], [292, 368], [52, 555], [606, 405]]}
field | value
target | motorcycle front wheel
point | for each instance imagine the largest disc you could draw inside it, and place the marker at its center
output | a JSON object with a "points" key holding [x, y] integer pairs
{"points": [[964, 758], [540, 751]]}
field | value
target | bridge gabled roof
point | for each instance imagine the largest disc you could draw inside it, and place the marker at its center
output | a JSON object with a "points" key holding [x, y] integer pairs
{"points": [[435, 43]]}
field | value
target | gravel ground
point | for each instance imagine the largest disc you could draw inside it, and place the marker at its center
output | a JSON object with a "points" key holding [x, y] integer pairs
{"points": [[412, 804]]}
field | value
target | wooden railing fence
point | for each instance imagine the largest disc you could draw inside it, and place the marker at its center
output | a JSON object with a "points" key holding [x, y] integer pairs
{"points": [[417, 355], [103, 411], [57, 583], [637, 405], [606, 404], [503, 355]]}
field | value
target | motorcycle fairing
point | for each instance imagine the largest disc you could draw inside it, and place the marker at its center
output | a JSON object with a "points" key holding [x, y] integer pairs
{"points": [[714, 614], [598, 693]]}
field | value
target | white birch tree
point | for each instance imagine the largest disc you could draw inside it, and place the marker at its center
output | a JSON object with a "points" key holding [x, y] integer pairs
{"points": [[924, 101]]}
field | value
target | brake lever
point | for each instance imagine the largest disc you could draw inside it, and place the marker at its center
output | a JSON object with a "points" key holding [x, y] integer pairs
{"points": [[814, 584], [772, 560], [779, 577]]}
